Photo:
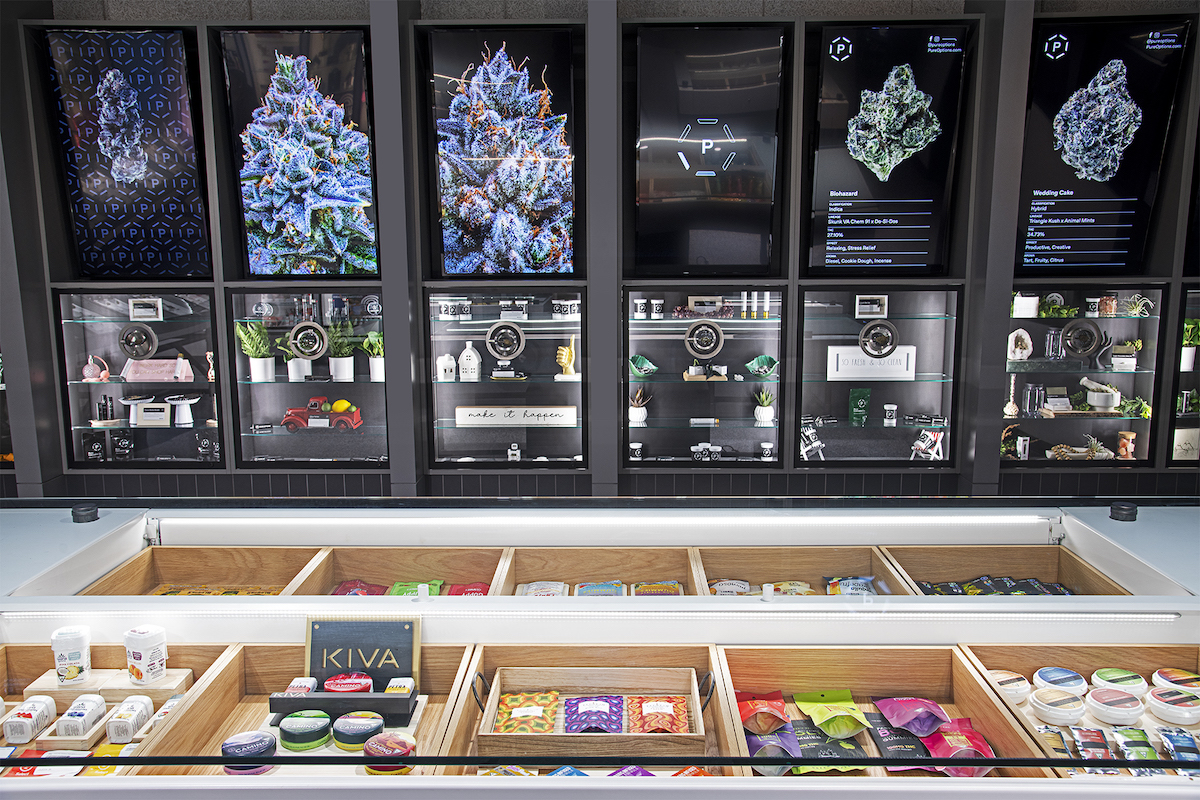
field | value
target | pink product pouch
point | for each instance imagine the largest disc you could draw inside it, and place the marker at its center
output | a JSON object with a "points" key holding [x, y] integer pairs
{"points": [[914, 714], [957, 739]]}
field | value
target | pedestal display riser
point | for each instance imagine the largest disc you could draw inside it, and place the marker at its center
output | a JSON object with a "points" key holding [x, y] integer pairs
{"points": [[717, 718], [1085, 659], [229, 567], [942, 674], [813, 565], [233, 697], [1047, 563]]}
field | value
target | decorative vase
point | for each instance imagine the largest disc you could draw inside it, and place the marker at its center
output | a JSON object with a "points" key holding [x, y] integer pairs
{"points": [[342, 369], [305, 365], [637, 416], [262, 370], [295, 369], [376, 365], [764, 416], [1187, 359]]}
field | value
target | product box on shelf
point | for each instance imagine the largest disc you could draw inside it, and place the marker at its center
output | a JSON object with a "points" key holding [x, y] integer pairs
{"points": [[233, 697], [939, 673], [959, 563], [812, 565], [1086, 659], [575, 565], [385, 566], [587, 669], [206, 570]]}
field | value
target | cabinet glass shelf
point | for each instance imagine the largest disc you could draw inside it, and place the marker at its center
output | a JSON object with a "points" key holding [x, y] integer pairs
{"points": [[171, 384], [921, 377], [363, 430], [684, 422], [1067, 367], [281, 380], [749, 380], [1185, 434]]}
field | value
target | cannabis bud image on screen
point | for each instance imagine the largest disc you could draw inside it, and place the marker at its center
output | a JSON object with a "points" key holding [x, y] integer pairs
{"points": [[504, 174], [1097, 123], [892, 124], [306, 181], [121, 128]]}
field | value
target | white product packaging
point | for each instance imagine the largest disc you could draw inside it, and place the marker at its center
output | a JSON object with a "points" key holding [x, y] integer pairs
{"points": [[172, 701], [81, 717], [146, 652], [72, 647], [129, 718], [29, 719]]}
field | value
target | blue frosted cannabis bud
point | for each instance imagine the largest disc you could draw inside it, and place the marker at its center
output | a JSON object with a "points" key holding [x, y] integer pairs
{"points": [[1096, 124], [122, 129], [891, 124], [504, 175], [305, 181]]}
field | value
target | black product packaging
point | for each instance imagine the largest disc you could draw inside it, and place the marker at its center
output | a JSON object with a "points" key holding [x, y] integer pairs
{"points": [[122, 446], [94, 446], [815, 743], [896, 742]]}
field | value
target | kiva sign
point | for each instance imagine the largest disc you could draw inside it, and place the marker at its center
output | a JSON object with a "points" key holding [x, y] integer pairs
{"points": [[382, 648]]}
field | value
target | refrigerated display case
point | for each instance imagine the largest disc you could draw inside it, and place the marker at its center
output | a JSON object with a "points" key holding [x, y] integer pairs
{"points": [[878, 375], [1081, 363], [507, 387], [309, 367], [704, 376], [1185, 416], [139, 382]]}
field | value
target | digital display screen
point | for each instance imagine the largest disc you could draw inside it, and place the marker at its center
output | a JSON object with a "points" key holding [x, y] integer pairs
{"points": [[130, 156], [709, 120], [503, 120], [300, 118], [888, 116], [1101, 97]]}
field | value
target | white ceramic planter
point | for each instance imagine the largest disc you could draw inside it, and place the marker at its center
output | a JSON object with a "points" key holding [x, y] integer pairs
{"points": [[1187, 359], [342, 369], [764, 415], [637, 416], [296, 370], [376, 365], [262, 370]]}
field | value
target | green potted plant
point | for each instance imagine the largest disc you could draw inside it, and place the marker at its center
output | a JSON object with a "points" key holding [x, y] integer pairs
{"points": [[297, 368], [256, 344], [341, 351], [637, 408], [372, 345], [1191, 339], [764, 409]]}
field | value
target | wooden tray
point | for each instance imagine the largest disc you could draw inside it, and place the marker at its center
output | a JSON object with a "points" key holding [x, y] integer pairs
{"points": [[233, 696], [218, 566], [573, 565], [1085, 659], [1046, 562], [50, 740], [387, 565], [111, 684], [942, 674], [716, 720], [576, 682], [760, 565]]}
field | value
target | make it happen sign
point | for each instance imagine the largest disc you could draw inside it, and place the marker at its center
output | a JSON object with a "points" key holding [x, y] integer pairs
{"points": [[515, 416], [852, 364]]}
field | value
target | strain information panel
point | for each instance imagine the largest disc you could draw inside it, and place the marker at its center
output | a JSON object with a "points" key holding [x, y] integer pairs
{"points": [[888, 117], [1101, 97]]}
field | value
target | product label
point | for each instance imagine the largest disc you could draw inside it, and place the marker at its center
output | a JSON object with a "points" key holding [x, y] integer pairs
{"points": [[658, 707], [588, 706], [526, 711]]}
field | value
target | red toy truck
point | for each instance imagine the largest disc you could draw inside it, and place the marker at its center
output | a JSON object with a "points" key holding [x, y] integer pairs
{"points": [[314, 417]]}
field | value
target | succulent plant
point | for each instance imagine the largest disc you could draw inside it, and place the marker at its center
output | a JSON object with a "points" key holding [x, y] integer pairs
{"points": [[640, 399], [1097, 123], [122, 129], [892, 124], [306, 181], [763, 397], [504, 175]]}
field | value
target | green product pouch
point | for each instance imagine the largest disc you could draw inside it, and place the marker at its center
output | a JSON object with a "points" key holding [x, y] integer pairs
{"points": [[860, 405], [833, 712], [409, 588]]}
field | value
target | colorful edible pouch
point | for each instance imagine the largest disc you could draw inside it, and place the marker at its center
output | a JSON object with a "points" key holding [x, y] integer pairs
{"points": [[511, 770], [632, 771], [794, 588], [833, 712], [410, 588], [663, 714], [1180, 746], [600, 589], [468, 589], [527, 712], [1091, 744], [779, 744], [726, 587], [981, 585], [762, 713], [567, 770], [957, 739], [815, 744], [896, 742], [600, 714], [1135, 746], [861, 584], [357, 587], [691, 772], [658, 589], [543, 589], [916, 715]]}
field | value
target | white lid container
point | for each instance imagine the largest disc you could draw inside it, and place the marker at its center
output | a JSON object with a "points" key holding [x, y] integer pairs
{"points": [[81, 717], [1122, 679], [29, 719], [1114, 706], [128, 719], [1013, 684], [1056, 706], [1060, 678], [1174, 705], [146, 653], [1177, 679], [72, 646]]}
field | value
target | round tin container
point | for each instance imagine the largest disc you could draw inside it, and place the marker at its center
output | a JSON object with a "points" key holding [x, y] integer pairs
{"points": [[351, 731], [1174, 705], [1060, 678], [304, 730], [1123, 679], [350, 682], [249, 743], [390, 744], [1013, 684], [1056, 706], [1114, 706], [1177, 679]]}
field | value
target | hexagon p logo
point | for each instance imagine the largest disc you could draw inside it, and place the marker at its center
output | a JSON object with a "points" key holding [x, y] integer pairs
{"points": [[1056, 47], [841, 48]]}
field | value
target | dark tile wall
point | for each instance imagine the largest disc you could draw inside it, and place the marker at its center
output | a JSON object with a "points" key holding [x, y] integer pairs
{"points": [[255, 484], [513, 485], [762, 484], [1175, 483], [8, 484]]}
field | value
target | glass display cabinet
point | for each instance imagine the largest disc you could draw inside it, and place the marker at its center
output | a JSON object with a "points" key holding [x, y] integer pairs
{"points": [[6, 448], [1185, 420], [507, 384], [309, 367], [703, 376], [878, 382], [139, 378], [1081, 363]]}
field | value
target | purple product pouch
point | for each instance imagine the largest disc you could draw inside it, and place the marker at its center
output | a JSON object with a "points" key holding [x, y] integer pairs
{"points": [[916, 715], [600, 714], [632, 771], [773, 745]]}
